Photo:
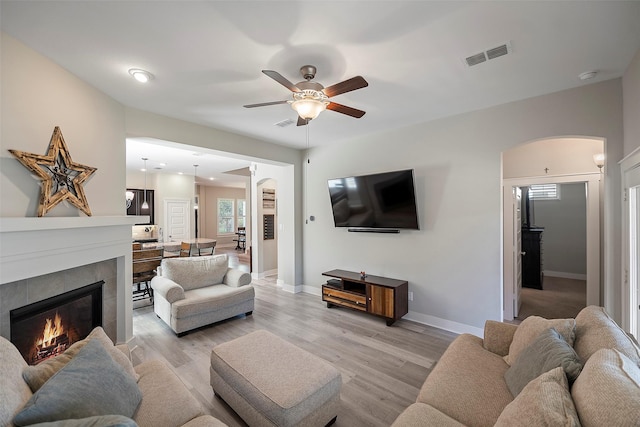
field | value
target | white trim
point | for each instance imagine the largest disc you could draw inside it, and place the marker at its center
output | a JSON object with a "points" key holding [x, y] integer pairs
{"points": [[630, 298], [447, 325], [563, 275], [312, 290]]}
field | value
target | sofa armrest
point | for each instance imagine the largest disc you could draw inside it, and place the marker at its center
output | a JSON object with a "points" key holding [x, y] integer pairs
{"points": [[125, 349], [167, 288], [236, 278], [424, 415], [498, 337]]}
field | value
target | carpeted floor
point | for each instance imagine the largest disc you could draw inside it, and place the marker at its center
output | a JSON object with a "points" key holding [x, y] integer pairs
{"points": [[561, 298]]}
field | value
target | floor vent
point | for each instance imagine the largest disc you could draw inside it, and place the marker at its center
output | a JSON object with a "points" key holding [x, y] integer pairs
{"points": [[493, 53], [284, 123]]}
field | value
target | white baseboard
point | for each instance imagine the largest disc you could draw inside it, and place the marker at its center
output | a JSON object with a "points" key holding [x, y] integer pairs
{"points": [[447, 325], [425, 319], [563, 275], [264, 274]]}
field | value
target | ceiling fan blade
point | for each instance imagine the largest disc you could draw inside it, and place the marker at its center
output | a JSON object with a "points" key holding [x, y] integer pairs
{"points": [[282, 80], [345, 110], [346, 86], [303, 122], [264, 104]]}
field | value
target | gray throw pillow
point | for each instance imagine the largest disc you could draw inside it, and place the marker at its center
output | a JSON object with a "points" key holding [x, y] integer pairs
{"points": [[91, 384], [545, 353]]}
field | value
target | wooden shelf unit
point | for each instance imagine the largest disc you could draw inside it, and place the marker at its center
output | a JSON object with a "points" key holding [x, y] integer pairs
{"points": [[380, 296]]}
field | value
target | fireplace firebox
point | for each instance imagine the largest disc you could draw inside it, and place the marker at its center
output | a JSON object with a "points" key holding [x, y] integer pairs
{"points": [[47, 328]]}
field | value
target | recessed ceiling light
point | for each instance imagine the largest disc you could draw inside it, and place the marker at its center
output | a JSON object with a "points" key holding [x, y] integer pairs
{"points": [[143, 170], [179, 173], [163, 164], [142, 76], [587, 75], [211, 178]]}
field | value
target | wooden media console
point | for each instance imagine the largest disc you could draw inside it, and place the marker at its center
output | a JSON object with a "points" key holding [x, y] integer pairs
{"points": [[380, 296]]}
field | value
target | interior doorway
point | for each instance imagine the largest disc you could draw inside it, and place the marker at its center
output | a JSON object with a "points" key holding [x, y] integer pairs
{"points": [[512, 302]]}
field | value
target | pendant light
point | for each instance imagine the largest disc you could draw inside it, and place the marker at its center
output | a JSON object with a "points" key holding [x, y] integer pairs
{"points": [[195, 186], [145, 205]]}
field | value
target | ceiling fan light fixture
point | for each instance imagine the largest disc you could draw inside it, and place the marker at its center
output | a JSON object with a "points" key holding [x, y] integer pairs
{"points": [[308, 109]]}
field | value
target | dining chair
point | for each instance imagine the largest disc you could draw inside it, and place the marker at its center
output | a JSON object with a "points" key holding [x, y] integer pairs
{"points": [[206, 248], [185, 249], [145, 263]]}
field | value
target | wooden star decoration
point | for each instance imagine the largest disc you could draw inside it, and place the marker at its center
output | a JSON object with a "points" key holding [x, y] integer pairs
{"points": [[62, 178]]}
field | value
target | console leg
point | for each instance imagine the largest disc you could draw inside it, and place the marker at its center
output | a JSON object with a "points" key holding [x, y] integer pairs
{"points": [[390, 322], [248, 313]]}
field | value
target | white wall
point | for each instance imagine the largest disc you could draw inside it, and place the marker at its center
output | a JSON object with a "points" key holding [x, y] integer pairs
{"points": [[37, 96], [564, 240], [631, 90], [453, 264], [561, 156]]}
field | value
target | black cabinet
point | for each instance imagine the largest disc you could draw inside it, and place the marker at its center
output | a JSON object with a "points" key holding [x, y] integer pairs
{"points": [[532, 257], [136, 205]]}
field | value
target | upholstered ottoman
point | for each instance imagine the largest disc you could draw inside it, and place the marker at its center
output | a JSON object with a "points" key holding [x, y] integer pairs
{"points": [[270, 382]]}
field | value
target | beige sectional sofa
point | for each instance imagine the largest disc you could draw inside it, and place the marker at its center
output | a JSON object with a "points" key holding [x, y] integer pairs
{"points": [[467, 387], [151, 390], [191, 292]]}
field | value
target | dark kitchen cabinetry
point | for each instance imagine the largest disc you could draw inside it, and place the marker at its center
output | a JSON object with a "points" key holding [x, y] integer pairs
{"points": [[136, 205], [532, 257]]}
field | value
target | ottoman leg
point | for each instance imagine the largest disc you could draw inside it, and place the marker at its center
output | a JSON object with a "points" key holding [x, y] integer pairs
{"points": [[333, 420]]}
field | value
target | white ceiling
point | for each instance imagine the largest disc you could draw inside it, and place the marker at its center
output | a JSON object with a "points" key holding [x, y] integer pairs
{"points": [[206, 56]]}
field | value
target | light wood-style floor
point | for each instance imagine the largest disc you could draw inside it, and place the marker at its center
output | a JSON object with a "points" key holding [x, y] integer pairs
{"points": [[382, 367]]}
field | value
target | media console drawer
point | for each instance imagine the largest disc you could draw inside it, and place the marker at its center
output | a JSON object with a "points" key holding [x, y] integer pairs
{"points": [[338, 297]]}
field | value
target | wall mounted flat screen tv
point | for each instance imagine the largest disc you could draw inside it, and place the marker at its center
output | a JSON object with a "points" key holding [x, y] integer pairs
{"points": [[381, 201]]}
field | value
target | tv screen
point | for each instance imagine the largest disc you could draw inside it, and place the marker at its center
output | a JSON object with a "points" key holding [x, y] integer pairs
{"points": [[378, 201]]}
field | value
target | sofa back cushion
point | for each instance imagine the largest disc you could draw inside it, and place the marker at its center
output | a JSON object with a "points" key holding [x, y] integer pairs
{"points": [[607, 392], [596, 330], [14, 392], [531, 328], [195, 272]]}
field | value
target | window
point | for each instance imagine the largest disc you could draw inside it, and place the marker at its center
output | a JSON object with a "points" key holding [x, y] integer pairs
{"points": [[544, 192], [242, 209], [226, 216]]}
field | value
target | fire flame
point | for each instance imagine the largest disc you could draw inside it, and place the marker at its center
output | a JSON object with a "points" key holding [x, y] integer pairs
{"points": [[52, 329]]}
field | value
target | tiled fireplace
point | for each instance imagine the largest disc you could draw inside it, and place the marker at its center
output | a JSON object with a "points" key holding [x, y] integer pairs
{"points": [[45, 329], [41, 258]]}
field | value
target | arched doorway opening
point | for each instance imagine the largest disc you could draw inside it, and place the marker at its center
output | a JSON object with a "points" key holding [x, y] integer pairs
{"points": [[551, 162]]}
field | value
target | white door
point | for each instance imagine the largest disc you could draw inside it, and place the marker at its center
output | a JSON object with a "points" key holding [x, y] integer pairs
{"points": [[517, 250], [176, 219]]}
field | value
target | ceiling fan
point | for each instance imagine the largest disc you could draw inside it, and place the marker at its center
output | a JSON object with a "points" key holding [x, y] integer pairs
{"points": [[311, 98]]}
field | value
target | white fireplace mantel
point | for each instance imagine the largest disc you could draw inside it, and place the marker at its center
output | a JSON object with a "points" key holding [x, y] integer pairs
{"points": [[31, 247]]}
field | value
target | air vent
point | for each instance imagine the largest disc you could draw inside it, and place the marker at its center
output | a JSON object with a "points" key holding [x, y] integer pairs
{"points": [[284, 123], [476, 59], [493, 53]]}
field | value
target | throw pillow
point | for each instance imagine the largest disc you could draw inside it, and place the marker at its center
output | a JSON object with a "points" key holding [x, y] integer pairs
{"points": [[38, 374], [97, 421], [91, 384], [545, 401], [532, 327], [547, 352], [607, 392]]}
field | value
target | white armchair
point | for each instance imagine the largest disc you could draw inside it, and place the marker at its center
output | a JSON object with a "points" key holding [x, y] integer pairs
{"points": [[191, 292]]}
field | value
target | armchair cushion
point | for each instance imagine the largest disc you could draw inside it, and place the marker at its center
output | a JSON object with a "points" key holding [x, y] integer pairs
{"points": [[195, 272], [236, 278], [169, 289]]}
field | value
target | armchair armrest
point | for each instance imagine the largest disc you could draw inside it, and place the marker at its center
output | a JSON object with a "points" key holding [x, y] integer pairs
{"points": [[498, 336], [236, 278], [167, 288]]}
